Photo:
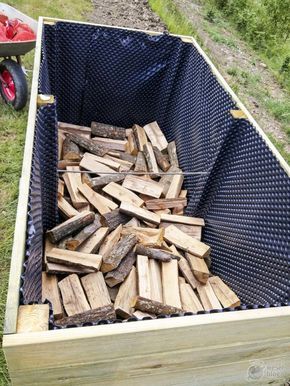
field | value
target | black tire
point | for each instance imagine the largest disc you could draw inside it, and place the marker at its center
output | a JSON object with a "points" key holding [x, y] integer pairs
{"points": [[21, 89]]}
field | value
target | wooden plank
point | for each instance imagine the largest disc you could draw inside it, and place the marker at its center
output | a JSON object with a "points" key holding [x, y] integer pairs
{"points": [[50, 291], [141, 185], [32, 318], [96, 290], [170, 287], [120, 193], [199, 268], [91, 164], [74, 259], [107, 131], [154, 307], [65, 207], [175, 187], [126, 295], [173, 159], [77, 240], [106, 161], [155, 281], [92, 244], [73, 181], [186, 243], [189, 300], [145, 236], [75, 129], [150, 158], [120, 250], [91, 316], [88, 144], [70, 226], [73, 296], [191, 230], [97, 200], [142, 214], [112, 144], [208, 297], [182, 219], [143, 276], [110, 241], [156, 136], [225, 295], [118, 275], [165, 203], [140, 136]]}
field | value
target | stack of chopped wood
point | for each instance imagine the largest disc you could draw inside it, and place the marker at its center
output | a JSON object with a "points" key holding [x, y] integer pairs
{"points": [[125, 247]]}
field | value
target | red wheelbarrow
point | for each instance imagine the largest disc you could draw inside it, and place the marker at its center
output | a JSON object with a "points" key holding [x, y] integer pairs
{"points": [[13, 84]]}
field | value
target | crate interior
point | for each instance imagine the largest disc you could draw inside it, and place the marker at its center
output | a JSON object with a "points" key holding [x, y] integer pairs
{"points": [[124, 77]]}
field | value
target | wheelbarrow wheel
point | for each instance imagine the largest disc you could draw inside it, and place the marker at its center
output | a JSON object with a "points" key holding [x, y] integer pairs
{"points": [[14, 88]]}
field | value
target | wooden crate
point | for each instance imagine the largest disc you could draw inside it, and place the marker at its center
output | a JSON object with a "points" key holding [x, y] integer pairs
{"points": [[222, 348]]}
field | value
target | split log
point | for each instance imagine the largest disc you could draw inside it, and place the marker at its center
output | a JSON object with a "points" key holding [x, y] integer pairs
{"points": [[50, 291], [142, 214], [186, 243], [182, 219], [125, 157], [165, 203], [72, 181], [191, 230], [199, 268], [96, 290], [88, 144], [70, 151], [118, 275], [113, 292], [170, 286], [111, 144], [120, 193], [84, 234], [60, 139], [143, 276], [107, 131], [83, 131], [189, 300], [115, 218], [91, 164], [125, 165], [110, 241], [106, 161], [62, 164], [166, 179], [156, 135], [173, 159], [150, 158], [120, 250], [86, 179], [146, 236], [140, 136], [92, 244], [156, 254], [65, 207], [132, 146], [162, 211], [60, 188], [91, 316], [225, 295], [141, 315], [141, 185], [208, 297], [102, 204], [126, 295], [134, 222], [99, 182], [74, 259], [185, 269], [140, 165], [180, 210], [60, 269], [161, 159], [73, 296], [32, 318], [70, 226], [175, 187], [154, 307], [155, 281]]}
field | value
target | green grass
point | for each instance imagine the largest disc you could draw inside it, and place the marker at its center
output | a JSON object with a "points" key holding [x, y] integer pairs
{"points": [[12, 134]]}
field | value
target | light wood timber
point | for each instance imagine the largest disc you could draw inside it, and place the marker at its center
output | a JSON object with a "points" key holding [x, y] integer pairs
{"points": [[146, 236], [83, 131], [161, 159], [111, 144], [73, 296], [32, 318], [62, 164], [189, 300], [106, 161], [140, 315], [134, 222], [73, 181], [110, 241], [150, 158], [126, 295], [191, 230], [185, 269], [225, 295], [120, 193], [208, 297], [60, 140], [74, 259], [92, 244], [170, 288], [102, 204], [65, 207], [75, 241], [143, 276], [166, 179], [140, 136], [91, 164], [141, 185], [70, 151], [61, 269], [155, 135], [175, 186], [165, 203], [173, 159], [140, 165], [182, 219], [60, 188], [96, 290], [99, 182], [125, 165], [155, 281], [70, 226], [142, 214], [50, 291], [118, 275], [132, 146], [199, 268]]}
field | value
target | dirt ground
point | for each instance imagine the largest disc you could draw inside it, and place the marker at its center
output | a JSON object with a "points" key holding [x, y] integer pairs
{"points": [[137, 14]]}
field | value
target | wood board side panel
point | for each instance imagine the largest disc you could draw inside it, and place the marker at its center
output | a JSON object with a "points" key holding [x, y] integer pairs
{"points": [[133, 351], [18, 248]]}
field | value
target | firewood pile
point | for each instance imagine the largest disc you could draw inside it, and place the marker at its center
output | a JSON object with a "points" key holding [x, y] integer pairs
{"points": [[125, 248]]}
